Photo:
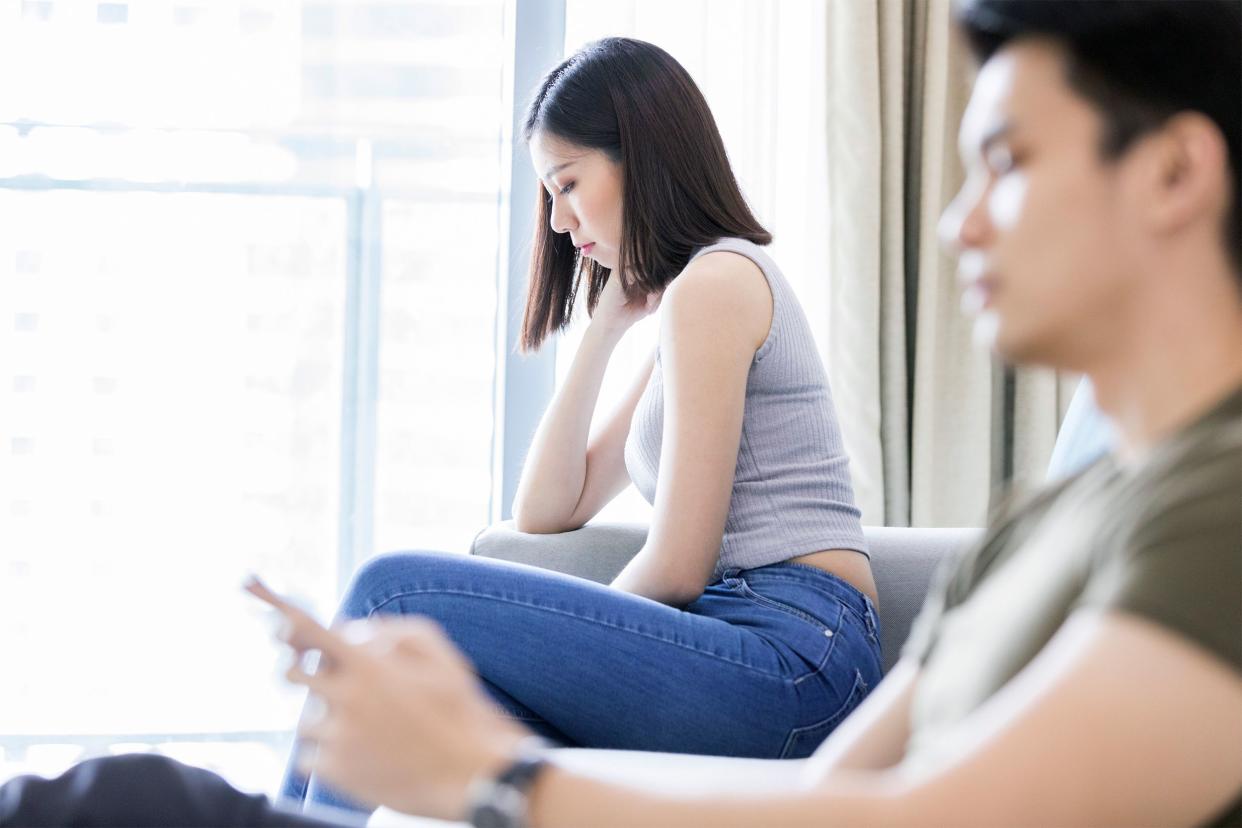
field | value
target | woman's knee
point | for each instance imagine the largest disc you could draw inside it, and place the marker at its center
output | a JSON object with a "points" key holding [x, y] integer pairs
{"points": [[392, 574]]}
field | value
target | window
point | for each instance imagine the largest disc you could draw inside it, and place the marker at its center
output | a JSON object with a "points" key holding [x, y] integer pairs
{"points": [[249, 307]]}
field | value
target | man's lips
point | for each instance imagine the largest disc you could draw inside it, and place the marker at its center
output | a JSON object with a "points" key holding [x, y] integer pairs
{"points": [[978, 294]]}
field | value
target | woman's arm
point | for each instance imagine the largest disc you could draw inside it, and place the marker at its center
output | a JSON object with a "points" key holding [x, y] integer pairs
{"points": [[716, 315], [565, 481]]}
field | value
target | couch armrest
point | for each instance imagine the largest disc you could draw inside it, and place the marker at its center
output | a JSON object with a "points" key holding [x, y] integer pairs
{"points": [[597, 551]]}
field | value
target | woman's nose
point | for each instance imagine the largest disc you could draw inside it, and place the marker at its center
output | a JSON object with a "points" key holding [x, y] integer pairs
{"points": [[562, 218]]}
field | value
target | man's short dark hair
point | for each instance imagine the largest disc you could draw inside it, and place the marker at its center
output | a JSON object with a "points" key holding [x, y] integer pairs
{"points": [[1139, 62]]}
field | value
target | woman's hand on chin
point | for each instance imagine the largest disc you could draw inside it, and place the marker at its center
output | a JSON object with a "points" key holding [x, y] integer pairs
{"points": [[404, 722], [615, 314]]}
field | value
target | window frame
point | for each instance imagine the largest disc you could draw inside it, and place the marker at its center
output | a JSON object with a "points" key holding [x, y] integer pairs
{"points": [[534, 32]]}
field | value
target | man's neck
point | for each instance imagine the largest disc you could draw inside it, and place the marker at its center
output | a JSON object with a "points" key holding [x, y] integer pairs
{"points": [[1182, 356]]}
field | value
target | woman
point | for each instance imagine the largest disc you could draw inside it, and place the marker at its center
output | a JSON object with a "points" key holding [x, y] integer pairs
{"points": [[746, 625]]}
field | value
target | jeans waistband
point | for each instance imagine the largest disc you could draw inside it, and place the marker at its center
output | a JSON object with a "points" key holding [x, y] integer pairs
{"points": [[812, 576]]}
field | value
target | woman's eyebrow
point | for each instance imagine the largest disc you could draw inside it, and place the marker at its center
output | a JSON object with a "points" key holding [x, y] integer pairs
{"points": [[553, 170]]}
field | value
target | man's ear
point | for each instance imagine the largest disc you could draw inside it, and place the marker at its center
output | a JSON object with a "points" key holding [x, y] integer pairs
{"points": [[1185, 173]]}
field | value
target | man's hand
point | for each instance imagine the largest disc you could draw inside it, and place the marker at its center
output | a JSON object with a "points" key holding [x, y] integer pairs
{"points": [[404, 723]]}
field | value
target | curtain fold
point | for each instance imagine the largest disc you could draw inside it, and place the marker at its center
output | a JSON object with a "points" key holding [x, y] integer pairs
{"points": [[934, 426]]}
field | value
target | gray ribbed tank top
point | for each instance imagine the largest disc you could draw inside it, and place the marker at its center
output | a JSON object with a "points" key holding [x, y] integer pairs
{"points": [[791, 490]]}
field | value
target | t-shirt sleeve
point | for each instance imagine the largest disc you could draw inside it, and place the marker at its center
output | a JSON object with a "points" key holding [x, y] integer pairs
{"points": [[1182, 568], [947, 583], [955, 577], [918, 644]]}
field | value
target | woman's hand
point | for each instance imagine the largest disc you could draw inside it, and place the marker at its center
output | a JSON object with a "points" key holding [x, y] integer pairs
{"points": [[404, 722], [615, 314]]}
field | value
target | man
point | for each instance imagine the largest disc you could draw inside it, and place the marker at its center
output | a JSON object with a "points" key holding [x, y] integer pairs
{"points": [[1084, 664]]}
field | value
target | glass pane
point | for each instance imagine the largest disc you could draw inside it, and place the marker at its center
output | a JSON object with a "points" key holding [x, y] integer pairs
{"points": [[433, 469], [172, 363], [170, 421]]}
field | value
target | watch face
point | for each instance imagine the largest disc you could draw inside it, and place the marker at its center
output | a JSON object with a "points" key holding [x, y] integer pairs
{"points": [[501, 807], [489, 816], [501, 802]]}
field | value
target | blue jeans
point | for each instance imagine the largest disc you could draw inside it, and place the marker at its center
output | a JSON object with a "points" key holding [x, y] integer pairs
{"points": [[764, 664]]}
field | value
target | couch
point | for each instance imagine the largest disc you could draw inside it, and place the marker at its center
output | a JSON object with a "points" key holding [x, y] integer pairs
{"points": [[903, 561]]}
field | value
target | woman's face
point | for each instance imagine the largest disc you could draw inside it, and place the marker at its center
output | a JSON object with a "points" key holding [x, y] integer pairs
{"points": [[585, 185]]}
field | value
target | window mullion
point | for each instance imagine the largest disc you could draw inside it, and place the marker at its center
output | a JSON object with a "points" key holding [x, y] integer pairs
{"points": [[535, 33]]}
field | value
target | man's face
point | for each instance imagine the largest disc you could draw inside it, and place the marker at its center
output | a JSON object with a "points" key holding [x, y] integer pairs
{"points": [[1040, 223]]}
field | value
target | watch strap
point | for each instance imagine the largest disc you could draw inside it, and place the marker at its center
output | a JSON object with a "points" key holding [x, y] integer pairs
{"points": [[501, 801]]}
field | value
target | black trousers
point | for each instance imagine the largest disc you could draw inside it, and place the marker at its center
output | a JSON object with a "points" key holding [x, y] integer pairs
{"points": [[143, 790]]}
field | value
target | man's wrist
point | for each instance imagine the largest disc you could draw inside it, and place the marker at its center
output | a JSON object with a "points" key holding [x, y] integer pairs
{"points": [[499, 797]]}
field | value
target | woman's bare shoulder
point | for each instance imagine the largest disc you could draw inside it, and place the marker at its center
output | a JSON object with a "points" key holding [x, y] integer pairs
{"points": [[722, 287]]}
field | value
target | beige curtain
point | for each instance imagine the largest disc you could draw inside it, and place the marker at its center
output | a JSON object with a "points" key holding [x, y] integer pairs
{"points": [[933, 425]]}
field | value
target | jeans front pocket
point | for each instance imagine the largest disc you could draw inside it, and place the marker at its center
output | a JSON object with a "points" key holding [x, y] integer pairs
{"points": [[774, 603], [802, 741]]}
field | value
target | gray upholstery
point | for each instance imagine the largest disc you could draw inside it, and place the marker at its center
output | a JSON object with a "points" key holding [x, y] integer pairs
{"points": [[597, 551], [903, 561]]}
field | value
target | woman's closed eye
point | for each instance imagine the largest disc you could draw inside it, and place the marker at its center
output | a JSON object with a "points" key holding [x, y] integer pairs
{"points": [[565, 190]]}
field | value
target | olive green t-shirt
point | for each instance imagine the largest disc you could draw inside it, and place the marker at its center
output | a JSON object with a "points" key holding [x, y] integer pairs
{"points": [[1162, 540]]}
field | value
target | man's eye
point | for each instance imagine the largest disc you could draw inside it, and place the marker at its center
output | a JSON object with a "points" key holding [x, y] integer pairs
{"points": [[1000, 159], [564, 190]]}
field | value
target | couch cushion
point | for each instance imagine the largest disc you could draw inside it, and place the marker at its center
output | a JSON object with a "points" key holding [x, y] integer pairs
{"points": [[904, 561]]}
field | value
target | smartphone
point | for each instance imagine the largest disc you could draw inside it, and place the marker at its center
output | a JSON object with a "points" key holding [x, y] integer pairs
{"points": [[304, 632]]}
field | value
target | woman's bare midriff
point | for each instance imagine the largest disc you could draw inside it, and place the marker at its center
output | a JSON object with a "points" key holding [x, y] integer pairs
{"points": [[849, 565]]}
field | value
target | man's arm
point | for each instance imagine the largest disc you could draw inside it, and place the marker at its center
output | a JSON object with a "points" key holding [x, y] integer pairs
{"points": [[1116, 722], [874, 735]]}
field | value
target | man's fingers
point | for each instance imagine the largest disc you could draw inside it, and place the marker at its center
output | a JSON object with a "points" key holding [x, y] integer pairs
{"points": [[414, 636], [318, 682], [300, 631]]}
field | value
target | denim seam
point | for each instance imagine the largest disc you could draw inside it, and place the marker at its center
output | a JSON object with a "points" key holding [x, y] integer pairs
{"points": [[789, 578], [819, 668], [836, 718], [781, 606], [507, 600], [862, 616], [836, 599]]}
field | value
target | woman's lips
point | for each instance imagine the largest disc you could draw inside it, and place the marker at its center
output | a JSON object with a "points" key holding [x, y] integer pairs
{"points": [[587, 248]]}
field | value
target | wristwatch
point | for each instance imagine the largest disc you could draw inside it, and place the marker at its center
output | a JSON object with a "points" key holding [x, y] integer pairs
{"points": [[501, 801]]}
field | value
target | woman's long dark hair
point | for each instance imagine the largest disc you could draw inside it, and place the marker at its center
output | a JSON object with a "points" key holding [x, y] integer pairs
{"points": [[634, 102]]}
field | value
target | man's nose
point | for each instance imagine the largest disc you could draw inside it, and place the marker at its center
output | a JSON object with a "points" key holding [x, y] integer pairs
{"points": [[963, 224]]}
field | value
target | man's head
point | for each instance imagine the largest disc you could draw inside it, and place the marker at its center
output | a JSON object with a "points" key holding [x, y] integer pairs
{"points": [[1103, 146]]}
